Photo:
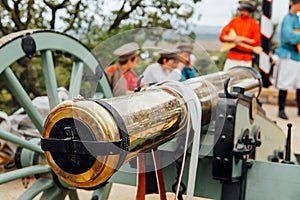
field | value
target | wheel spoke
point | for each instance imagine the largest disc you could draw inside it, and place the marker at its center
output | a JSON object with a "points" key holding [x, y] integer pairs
{"points": [[102, 192], [103, 89], [50, 78], [37, 187], [54, 193], [20, 141], [75, 82], [24, 172], [73, 195], [19, 92]]}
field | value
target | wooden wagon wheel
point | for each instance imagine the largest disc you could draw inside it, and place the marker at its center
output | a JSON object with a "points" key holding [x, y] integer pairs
{"points": [[44, 42]]}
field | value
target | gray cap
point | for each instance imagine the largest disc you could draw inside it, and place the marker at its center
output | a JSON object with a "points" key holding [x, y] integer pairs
{"points": [[185, 47], [247, 4], [127, 51]]}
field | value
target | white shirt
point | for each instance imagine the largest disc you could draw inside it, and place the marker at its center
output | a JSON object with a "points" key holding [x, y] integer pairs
{"points": [[154, 73]]}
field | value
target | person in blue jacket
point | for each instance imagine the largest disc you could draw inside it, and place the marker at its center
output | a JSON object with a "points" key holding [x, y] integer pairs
{"points": [[184, 55], [288, 77]]}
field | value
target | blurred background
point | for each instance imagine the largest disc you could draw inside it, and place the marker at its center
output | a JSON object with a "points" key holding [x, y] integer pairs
{"points": [[95, 23]]}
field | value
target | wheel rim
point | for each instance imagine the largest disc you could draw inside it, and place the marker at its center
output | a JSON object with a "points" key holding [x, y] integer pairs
{"points": [[46, 41]]}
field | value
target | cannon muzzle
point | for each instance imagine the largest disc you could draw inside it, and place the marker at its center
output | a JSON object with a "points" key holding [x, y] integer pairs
{"points": [[86, 141]]}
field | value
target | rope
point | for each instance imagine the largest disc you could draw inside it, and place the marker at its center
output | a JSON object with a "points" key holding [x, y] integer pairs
{"points": [[193, 126]]}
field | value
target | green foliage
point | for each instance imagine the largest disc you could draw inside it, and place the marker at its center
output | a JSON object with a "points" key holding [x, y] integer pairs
{"points": [[128, 15], [220, 59], [6, 102], [63, 75]]}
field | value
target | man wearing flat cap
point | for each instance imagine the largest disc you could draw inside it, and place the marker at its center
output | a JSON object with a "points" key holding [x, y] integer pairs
{"points": [[184, 55], [242, 34], [288, 75], [165, 69], [120, 76]]}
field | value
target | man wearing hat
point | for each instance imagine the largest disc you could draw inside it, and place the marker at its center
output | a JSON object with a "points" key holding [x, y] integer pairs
{"points": [[184, 56], [288, 77], [241, 31], [122, 80], [165, 69]]}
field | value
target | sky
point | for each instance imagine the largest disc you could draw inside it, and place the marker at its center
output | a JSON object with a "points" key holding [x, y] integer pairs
{"points": [[219, 12]]}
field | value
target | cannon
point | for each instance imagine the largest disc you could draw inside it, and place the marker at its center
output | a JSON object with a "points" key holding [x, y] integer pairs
{"points": [[88, 143], [130, 125]]}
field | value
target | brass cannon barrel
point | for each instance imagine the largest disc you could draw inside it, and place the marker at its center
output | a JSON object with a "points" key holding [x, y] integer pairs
{"points": [[82, 138]]}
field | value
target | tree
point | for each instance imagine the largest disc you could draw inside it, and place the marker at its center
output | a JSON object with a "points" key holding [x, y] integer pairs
{"points": [[101, 17], [118, 16], [19, 15]]}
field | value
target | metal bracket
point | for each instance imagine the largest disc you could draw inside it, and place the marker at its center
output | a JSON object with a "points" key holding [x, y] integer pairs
{"points": [[28, 46]]}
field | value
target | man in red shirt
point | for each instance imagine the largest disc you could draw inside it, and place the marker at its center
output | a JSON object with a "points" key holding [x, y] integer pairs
{"points": [[242, 32], [120, 76]]}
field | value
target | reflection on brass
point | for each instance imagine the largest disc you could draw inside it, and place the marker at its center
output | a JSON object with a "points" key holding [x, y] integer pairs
{"points": [[100, 121], [152, 117]]}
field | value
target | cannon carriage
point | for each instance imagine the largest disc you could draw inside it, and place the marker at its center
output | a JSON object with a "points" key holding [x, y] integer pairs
{"points": [[214, 124]]}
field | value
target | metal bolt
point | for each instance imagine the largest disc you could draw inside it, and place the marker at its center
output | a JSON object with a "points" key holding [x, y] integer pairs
{"points": [[223, 137], [229, 117]]}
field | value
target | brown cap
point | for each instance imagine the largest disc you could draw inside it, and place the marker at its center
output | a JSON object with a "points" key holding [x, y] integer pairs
{"points": [[248, 5], [168, 55], [185, 47], [127, 51], [295, 1]]}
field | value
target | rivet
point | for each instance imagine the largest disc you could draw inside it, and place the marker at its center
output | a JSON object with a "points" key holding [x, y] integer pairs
{"points": [[229, 117], [223, 137]]}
